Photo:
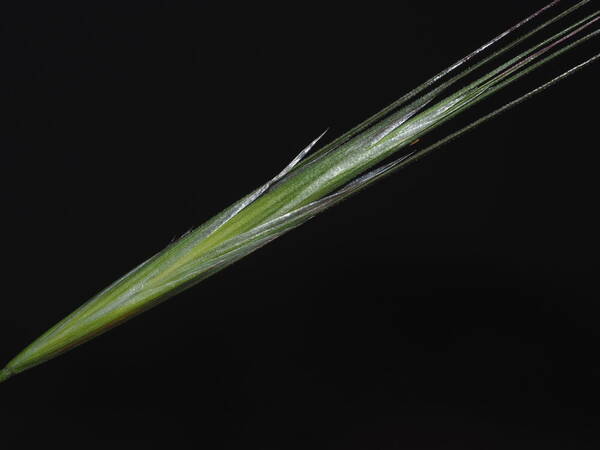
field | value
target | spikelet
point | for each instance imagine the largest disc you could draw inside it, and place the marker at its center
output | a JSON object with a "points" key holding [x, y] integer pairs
{"points": [[311, 184]]}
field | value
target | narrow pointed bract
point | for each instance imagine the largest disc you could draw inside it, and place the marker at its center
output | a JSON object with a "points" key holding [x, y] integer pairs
{"points": [[312, 183]]}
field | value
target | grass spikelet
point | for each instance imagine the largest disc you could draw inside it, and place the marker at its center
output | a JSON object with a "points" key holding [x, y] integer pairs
{"points": [[310, 184]]}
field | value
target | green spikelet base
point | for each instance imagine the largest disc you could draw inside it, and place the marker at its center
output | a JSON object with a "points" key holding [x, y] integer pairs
{"points": [[5, 374]]}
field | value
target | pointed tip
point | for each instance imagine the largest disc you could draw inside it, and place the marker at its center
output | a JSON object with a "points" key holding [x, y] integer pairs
{"points": [[322, 134], [312, 144], [5, 374]]}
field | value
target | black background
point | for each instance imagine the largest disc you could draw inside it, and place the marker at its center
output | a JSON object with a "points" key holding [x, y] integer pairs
{"points": [[450, 306]]}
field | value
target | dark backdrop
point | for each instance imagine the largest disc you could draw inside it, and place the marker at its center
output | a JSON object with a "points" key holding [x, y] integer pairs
{"points": [[450, 306]]}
